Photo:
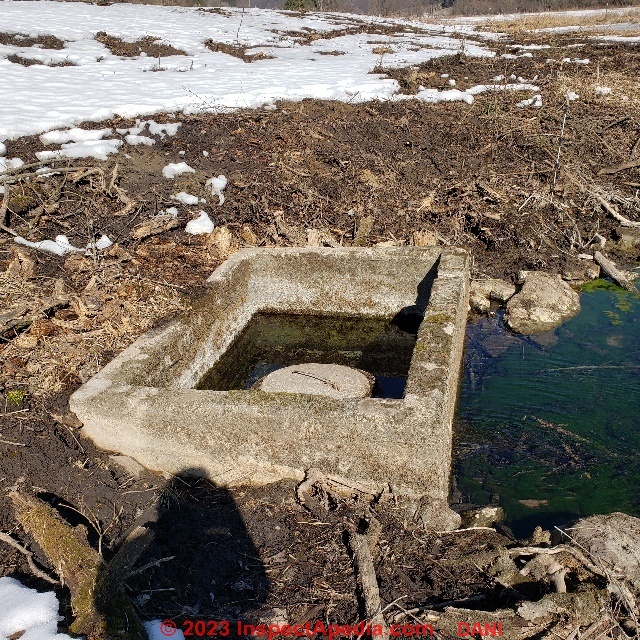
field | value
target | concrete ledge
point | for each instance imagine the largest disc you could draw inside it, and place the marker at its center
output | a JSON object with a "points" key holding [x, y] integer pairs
{"points": [[144, 404]]}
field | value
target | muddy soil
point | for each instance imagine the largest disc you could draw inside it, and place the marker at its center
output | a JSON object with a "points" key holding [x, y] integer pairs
{"points": [[485, 176]]}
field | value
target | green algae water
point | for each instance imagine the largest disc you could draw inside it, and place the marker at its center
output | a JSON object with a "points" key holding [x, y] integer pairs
{"points": [[378, 345], [548, 426]]}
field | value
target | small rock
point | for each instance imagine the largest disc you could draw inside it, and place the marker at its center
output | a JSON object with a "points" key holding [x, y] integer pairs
{"points": [[487, 289], [483, 517], [540, 537], [627, 238], [537, 611], [314, 238], [365, 227], [479, 303], [437, 516], [581, 272], [22, 265], [222, 239], [543, 303]]}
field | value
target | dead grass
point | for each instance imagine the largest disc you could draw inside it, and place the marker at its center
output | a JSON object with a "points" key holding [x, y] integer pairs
{"points": [[28, 62], [102, 319], [625, 90], [528, 23]]}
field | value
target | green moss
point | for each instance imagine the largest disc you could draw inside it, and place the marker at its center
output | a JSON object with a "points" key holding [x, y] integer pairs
{"points": [[16, 397], [439, 318], [597, 285], [19, 203], [614, 317]]}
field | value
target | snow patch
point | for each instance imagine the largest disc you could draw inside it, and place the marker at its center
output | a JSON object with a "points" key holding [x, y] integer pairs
{"points": [[103, 85], [26, 610], [602, 91], [186, 198], [135, 140], [217, 185], [3, 150], [74, 135], [174, 169], [155, 631], [61, 246], [162, 130], [202, 224], [534, 101], [98, 149], [6, 164]]}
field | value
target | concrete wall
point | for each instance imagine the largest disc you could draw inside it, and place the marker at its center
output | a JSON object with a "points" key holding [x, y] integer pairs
{"points": [[143, 404]]}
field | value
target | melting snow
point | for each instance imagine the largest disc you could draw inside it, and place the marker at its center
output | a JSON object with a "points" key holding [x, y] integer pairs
{"points": [[74, 135], [174, 169], [535, 101], [155, 631], [26, 610], [202, 224], [98, 149], [6, 164], [162, 130], [186, 198], [217, 185], [61, 246], [103, 85], [134, 140]]}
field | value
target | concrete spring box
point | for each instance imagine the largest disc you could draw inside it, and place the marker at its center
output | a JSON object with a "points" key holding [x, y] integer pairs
{"points": [[145, 404]]}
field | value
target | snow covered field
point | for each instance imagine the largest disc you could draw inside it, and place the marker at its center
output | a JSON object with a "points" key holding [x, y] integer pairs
{"points": [[100, 84]]}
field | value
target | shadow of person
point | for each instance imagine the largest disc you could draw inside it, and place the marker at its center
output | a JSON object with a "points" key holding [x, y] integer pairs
{"points": [[201, 563]]}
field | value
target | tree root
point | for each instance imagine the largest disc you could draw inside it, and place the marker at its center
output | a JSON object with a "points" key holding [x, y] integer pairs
{"points": [[100, 607]]}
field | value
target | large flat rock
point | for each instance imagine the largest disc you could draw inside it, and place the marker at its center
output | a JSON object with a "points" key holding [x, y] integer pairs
{"points": [[544, 302]]}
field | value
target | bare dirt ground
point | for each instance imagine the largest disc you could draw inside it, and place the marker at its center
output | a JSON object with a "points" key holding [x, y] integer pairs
{"points": [[518, 187]]}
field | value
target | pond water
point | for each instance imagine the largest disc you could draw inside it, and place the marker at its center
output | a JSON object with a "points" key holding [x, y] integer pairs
{"points": [[548, 426], [381, 346]]}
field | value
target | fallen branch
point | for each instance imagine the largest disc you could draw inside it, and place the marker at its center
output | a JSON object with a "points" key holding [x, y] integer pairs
{"points": [[18, 319], [4, 207], [607, 171], [154, 226], [625, 222], [150, 565], [14, 444], [29, 556], [614, 273], [366, 578]]}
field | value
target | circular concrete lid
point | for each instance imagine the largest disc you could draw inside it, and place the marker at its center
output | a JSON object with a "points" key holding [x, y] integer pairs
{"points": [[332, 380]]}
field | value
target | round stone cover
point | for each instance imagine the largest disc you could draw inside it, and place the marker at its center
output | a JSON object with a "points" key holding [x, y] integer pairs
{"points": [[332, 380]]}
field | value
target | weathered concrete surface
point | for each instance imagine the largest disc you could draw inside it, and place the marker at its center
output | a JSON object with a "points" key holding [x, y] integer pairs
{"points": [[330, 380], [543, 303], [144, 405]]}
